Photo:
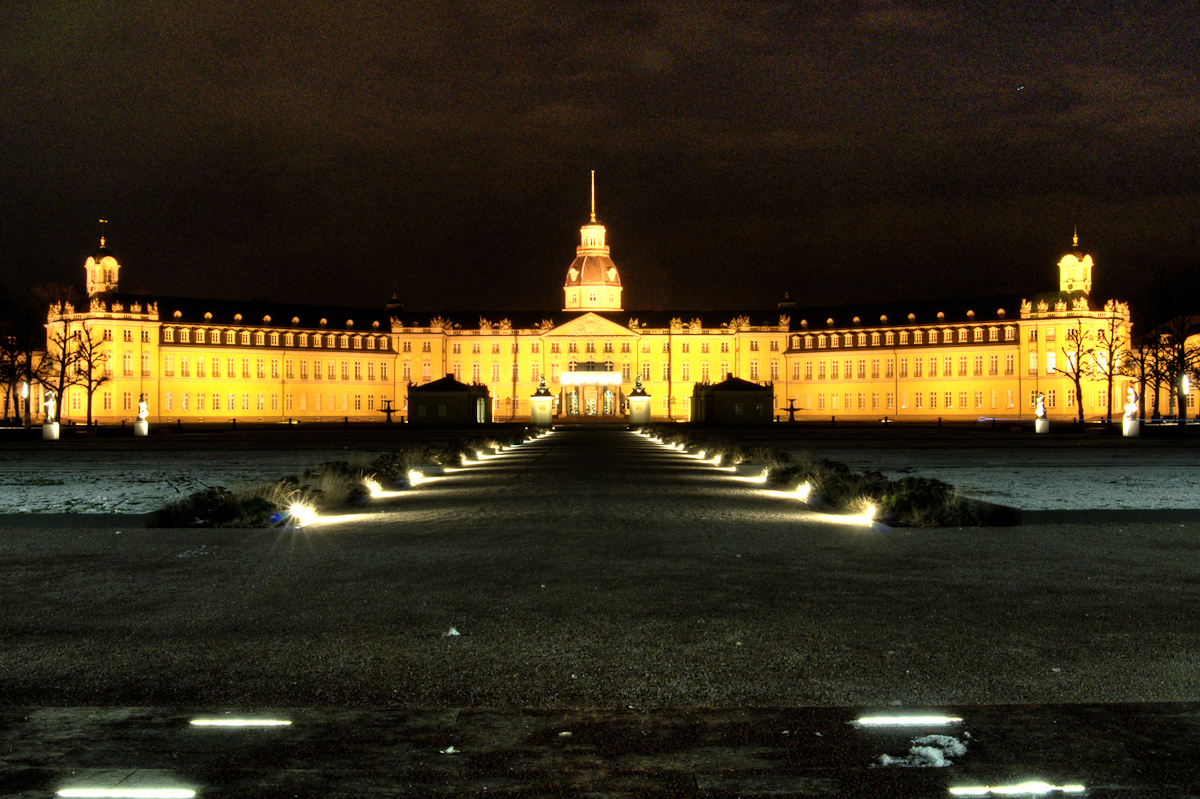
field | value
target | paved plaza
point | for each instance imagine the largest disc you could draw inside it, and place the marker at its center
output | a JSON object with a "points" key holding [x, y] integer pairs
{"points": [[593, 571]]}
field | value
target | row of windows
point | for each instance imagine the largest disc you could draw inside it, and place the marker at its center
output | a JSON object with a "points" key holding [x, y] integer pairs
{"points": [[945, 400], [263, 369], [256, 402], [890, 338], [260, 338], [963, 366]]}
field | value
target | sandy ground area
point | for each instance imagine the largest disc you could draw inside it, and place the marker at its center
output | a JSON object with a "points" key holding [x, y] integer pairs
{"points": [[1062, 475], [596, 569]]}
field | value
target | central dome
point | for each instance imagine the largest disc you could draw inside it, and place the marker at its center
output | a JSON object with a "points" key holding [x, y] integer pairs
{"points": [[593, 283]]}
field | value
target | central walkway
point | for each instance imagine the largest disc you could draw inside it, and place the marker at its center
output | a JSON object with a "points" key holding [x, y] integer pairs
{"points": [[693, 633]]}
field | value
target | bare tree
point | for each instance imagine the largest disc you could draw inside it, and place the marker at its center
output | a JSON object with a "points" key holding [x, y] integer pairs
{"points": [[92, 364], [1079, 356], [22, 350], [1138, 360], [1111, 341], [1179, 356]]}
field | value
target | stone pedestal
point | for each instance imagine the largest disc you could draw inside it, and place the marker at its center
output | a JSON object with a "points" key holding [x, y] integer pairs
{"points": [[50, 431], [541, 410], [141, 428], [1041, 425], [1131, 428], [639, 410]]}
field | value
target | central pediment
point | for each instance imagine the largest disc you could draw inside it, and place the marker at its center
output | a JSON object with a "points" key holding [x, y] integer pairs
{"points": [[590, 325]]}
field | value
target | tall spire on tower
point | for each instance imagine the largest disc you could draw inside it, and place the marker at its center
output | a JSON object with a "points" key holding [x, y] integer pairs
{"points": [[1075, 240], [593, 195], [103, 227]]}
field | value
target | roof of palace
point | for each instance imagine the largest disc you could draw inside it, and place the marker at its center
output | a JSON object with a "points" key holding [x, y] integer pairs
{"points": [[257, 313]]}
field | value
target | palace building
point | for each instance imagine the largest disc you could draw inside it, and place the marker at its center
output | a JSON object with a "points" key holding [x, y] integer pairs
{"points": [[199, 360]]}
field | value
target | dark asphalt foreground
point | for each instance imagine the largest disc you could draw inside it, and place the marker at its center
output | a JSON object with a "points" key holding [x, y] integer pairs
{"points": [[598, 572]]}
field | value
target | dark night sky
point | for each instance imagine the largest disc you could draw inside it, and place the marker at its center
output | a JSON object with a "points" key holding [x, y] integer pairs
{"points": [[842, 151]]}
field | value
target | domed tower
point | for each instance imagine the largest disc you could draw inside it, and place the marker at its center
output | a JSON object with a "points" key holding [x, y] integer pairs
{"points": [[592, 280], [101, 270], [1075, 270]]}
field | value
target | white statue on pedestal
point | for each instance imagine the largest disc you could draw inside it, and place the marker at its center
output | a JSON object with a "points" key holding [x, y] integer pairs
{"points": [[1041, 405], [1131, 404], [143, 411], [51, 407]]}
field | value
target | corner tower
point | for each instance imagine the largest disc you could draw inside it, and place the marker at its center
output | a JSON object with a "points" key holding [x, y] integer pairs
{"points": [[1075, 270], [592, 280], [101, 271]]}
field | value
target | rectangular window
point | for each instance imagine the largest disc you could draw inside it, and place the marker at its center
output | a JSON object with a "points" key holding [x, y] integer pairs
{"points": [[978, 365], [260, 368], [666, 374], [836, 400], [1033, 363], [962, 366], [258, 402], [933, 366], [932, 399], [167, 400], [918, 365], [754, 370], [331, 373], [199, 402], [993, 365], [808, 372], [962, 399], [889, 366], [862, 402], [169, 366], [833, 369], [821, 370], [245, 368], [183, 401], [1051, 362], [1070, 398], [862, 368], [949, 397], [216, 401], [358, 402], [796, 370], [127, 401], [774, 371], [1009, 366], [685, 372], [287, 402], [1050, 397], [917, 399], [891, 401], [245, 402], [495, 372], [947, 366], [820, 402], [184, 366], [875, 401], [108, 401]]}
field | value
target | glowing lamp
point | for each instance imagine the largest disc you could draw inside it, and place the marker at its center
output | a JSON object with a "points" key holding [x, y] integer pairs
{"points": [[415, 477], [130, 793], [1035, 788], [803, 490], [372, 485], [302, 513], [240, 722], [906, 721]]}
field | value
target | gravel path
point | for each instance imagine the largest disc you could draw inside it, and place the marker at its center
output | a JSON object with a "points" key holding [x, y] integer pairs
{"points": [[598, 569]]}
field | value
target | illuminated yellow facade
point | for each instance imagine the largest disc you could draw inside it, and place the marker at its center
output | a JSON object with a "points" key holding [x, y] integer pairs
{"points": [[200, 360]]}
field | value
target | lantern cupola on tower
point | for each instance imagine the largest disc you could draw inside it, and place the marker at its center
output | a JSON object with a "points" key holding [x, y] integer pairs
{"points": [[592, 280], [1075, 270], [101, 271]]}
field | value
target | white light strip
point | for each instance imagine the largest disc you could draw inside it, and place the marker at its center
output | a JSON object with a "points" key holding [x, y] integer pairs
{"points": [[1023, 789], [130, 793], [240, 722], [905, 721]]}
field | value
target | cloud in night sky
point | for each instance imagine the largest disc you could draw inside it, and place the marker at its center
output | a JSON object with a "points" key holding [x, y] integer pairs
{"points": [[836, 150]]}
